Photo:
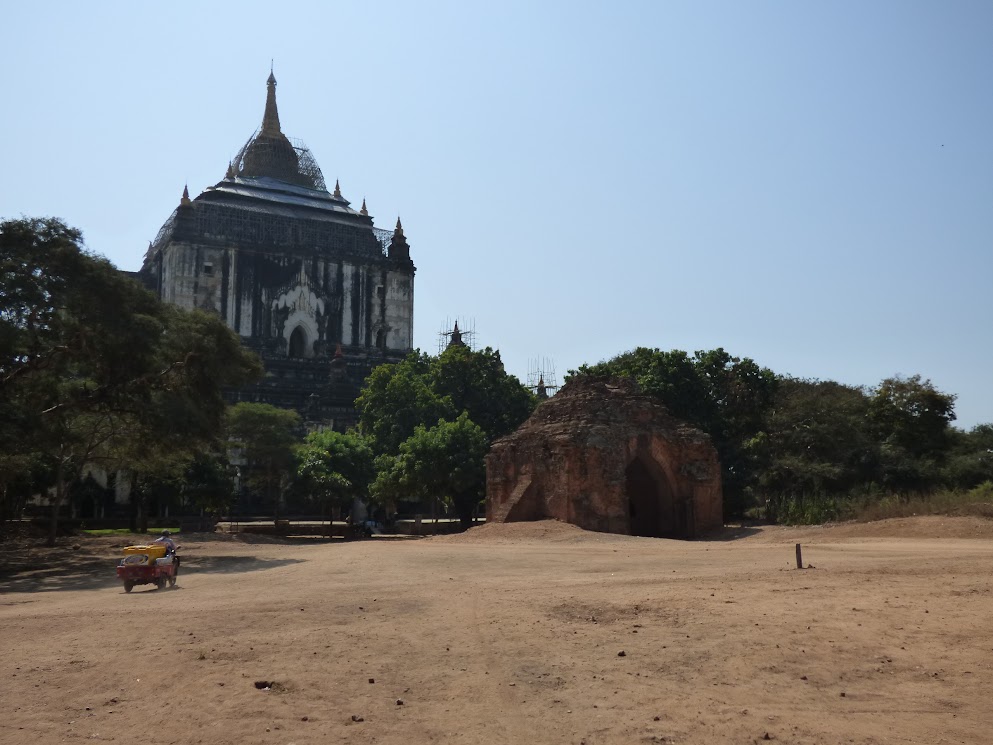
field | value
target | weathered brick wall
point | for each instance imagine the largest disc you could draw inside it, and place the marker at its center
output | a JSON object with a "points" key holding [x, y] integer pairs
{"points": [[572, 460]]}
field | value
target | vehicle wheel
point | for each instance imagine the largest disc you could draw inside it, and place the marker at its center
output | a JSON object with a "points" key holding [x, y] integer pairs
{"points": [[160, 583], [172, 581], [128, 586]]}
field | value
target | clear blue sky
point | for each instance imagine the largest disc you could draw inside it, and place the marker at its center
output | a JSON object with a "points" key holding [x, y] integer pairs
{"points": [[809, 184]]}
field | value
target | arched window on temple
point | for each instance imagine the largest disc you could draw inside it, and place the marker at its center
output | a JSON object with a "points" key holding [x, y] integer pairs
{"points": [[298, 342]]}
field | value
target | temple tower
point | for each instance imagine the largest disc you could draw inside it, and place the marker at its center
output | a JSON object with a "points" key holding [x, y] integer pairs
{"points": [[308, 282]]}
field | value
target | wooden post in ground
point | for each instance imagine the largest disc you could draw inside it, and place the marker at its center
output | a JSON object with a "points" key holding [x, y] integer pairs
{"points": [[799, 557]]}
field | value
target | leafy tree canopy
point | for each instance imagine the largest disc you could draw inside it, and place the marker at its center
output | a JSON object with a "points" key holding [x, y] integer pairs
{"points": [[477, 384], [445, 461], [335, 467], [815, 441], [396, 398], [94, 368], [913, 415], [421, 390], [263, 432], [911, 420], [267, 437], [970, 457], [725, 396]]}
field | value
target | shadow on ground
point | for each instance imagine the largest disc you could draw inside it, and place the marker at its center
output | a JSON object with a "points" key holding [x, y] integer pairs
{"points": [[732, 533], [314, 540], [95, 573], [231, 564]]}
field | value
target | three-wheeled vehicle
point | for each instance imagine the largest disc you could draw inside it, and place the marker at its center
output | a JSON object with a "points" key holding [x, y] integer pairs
{"points": [[147, 564]]}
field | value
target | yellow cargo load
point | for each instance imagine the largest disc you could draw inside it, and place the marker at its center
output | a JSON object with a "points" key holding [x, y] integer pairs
{"points": [[144, 554]]}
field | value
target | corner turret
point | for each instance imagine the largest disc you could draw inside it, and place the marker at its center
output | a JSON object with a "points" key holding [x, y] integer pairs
{"points": [[399, 248]]}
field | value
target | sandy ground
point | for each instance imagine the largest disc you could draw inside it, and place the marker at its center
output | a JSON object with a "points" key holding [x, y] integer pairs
{"points": [[535, 633]]}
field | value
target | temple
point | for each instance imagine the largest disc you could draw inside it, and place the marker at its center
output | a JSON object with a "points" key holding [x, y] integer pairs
{"points": [[308, 282]]}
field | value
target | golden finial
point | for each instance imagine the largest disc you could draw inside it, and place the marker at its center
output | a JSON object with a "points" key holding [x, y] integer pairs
{"points": [[230, 173], [399, 227], [185, 200], [363, 211], [337, 189]]}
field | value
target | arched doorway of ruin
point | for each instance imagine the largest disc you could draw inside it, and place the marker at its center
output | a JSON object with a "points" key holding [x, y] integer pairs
{"points": [[650, 502], [298, 342]]}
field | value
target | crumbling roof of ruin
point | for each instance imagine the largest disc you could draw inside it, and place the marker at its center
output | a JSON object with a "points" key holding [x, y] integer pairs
{"points": [[586, 406]]}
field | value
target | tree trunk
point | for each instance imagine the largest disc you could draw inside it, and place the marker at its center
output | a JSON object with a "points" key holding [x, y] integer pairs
{"points": [[268, 488], [53, 528], [6, 510], [142, 511], [141, 506], [464, 508]]}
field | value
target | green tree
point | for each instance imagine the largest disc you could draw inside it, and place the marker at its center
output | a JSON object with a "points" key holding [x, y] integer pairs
{"points": [[267, 437], [970, 458], [672, 377], [21, 475], [476, 383], [182, 417], [396, 398], [725, 396], [421, 390], [408, 410], [444, 461], [70, 351], [335, 467], [912, 421], [91, 362], [208, 482], [816, 442], [740, 393]]}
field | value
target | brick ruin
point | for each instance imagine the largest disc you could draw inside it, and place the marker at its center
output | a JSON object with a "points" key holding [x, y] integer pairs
{"points": [[605, 457]]}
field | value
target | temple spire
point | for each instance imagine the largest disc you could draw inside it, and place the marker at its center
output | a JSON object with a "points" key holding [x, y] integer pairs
{"points": [[337, 189], [270, 120], [185, 199], [363, 211], [399, 248], [456, 338]]}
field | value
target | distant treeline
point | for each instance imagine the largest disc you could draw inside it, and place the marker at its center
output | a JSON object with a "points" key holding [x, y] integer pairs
{"points": [[805, 450], [97, 373]]}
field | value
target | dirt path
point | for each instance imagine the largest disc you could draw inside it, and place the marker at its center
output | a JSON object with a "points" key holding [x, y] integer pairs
{"points": [[512, 634]]}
